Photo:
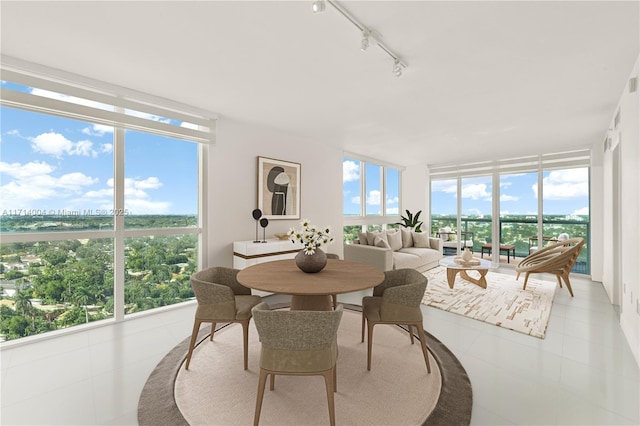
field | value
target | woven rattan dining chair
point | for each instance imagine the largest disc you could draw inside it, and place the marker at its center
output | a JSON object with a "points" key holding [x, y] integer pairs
{"points": [[557, 259], [221, 299], [396, 301], [297, 343]]}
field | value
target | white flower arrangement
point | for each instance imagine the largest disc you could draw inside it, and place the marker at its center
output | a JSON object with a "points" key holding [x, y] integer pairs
{"points": [[311, 236]]}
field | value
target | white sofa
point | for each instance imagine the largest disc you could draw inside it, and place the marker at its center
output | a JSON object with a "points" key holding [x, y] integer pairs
{"points": [[395, 249]]}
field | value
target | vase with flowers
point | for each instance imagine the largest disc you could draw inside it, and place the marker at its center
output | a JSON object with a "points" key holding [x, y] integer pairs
{"points": [[311, 258]]}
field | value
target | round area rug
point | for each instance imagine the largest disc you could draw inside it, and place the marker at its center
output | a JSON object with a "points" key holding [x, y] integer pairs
{"points": [[398, 390]]}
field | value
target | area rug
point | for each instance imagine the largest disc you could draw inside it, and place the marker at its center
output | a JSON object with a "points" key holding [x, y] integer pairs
{"points": [[502, 303], [398, 390]]}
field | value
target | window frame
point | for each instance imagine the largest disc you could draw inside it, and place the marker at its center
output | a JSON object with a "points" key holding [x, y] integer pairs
{"points": [[200, 128], [363, 220]]}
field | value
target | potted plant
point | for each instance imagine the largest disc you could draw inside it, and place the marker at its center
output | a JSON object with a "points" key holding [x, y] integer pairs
{"points": [[411, 221]]}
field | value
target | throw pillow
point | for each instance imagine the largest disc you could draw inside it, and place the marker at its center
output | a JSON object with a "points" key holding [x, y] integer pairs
{"points": [[362, 236], [395, 240], [420, 239], [407, 239], [379, 242], [444, 233]]}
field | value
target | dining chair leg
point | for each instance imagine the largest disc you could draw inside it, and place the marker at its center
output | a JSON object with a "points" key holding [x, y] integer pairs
{"points": [[410, 329], [369, 342], [192, 343], [261, 383], [328, 381], [213, 330], [363, 321], [335, 378], [245, 335], [272, 382], [559, 280], [423, 343]]}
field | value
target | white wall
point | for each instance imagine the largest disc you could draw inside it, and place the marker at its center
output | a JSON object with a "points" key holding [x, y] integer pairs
{"points": [[627, 139], [415, 193], [232, 185]]}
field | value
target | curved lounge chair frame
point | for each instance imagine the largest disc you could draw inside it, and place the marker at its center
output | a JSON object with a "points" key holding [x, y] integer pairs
{"points": [[557, 259]]}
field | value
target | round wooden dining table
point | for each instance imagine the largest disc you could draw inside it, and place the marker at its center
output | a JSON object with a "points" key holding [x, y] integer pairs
{"points": [[310, 291]]}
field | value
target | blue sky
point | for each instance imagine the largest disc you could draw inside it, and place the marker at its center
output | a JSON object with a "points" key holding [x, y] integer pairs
{"points": [[351, 189], [566, 192], [51, 163]]}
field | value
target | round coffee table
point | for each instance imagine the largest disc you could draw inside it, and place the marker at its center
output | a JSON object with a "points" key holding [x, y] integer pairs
{"points": [[455, 265]]}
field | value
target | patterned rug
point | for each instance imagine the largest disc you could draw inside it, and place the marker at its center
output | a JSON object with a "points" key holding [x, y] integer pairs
{"points": [[502, 303]]}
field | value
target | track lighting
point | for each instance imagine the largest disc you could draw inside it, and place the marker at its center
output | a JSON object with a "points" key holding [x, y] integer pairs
{"points": [[364, 45], [367, 34], [397, 68], [318, 6]]}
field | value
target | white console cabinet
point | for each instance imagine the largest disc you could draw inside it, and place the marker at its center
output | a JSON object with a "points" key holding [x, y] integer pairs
{"points": [[247, 253]]}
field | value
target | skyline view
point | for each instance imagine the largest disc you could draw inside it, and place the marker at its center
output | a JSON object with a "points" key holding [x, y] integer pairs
{"points": [[565, 192]]}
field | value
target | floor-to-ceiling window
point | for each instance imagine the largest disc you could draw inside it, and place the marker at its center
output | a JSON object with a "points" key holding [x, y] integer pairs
{"points": [[371, 196], [538, 199], [100, 203]]}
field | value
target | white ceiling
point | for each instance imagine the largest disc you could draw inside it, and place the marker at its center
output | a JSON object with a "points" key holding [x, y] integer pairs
{"points": [[484, 79]]}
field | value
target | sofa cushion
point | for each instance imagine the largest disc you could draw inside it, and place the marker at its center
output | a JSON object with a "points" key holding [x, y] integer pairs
{"points": [[420, 239], [379, 242], [425, 255], [395, 240], [407, 239], [405, 260]]}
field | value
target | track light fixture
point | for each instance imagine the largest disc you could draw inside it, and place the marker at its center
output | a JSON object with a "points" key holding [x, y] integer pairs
{"points": [[318, 6], [397, 68], [367, 34], [364, 45]]}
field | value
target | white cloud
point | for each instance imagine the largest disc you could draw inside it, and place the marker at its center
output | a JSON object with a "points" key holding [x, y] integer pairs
{"points": [[373, 199], [151, 182], [392, 200], [97, 130], [75, 181], [475, 191], [505, 197], [350, 171], [106, 148], [137, 206], [356, 199], [83, 148], [393, 210], [56, 145], [24, 171], [446, 186], [33, 185], [52, 144], [583, 211], [565, 184]]}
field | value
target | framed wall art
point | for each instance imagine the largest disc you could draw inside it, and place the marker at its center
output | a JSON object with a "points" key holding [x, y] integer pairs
{"points": [[278, 188]]}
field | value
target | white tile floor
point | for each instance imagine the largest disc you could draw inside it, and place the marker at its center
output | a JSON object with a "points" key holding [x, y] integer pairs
{"points": [[582, 373]]}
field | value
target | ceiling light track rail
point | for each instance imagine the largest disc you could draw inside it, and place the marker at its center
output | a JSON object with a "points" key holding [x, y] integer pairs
{"points": [[367, 33]]}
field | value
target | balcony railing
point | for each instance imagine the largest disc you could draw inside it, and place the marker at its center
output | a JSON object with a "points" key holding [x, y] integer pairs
{"points": [[519, 231]]}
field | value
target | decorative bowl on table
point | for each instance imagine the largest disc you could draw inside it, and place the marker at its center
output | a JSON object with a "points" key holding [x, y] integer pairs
{"points": [[462, 262], [281, 236]]}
